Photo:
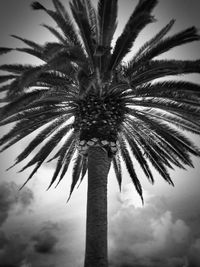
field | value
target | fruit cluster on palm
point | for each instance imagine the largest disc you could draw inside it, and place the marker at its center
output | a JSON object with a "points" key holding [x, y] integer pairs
{"points": [[99, 106]]}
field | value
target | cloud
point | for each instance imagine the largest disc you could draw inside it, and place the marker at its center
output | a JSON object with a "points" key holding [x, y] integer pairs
{"points": [[13, 247], [45, 240], [27, 250], [194, 254], [13, 250], [3, 240], [11, 198], [149, 236]]}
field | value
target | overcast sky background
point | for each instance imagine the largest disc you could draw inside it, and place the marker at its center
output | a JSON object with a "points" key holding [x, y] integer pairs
{"points": [[37, 227]]}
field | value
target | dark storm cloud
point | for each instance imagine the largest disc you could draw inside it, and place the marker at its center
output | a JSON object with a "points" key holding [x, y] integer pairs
{"points": [[46, 239], [13, 247], [21, 250], [150, 237], [13, 250], [11, 197], [3, 240]]}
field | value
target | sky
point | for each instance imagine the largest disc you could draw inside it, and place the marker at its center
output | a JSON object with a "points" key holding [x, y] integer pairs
{"points": [[38, 228]]}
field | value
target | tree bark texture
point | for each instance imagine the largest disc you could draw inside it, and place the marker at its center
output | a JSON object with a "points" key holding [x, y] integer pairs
{"points": [[96, 254]]}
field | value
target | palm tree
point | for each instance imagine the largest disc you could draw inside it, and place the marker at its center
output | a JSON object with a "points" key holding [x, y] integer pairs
{"points": [[104, 110]]}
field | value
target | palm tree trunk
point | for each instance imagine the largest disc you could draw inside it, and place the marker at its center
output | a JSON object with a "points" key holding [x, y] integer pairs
{"points": [[96, 254]]}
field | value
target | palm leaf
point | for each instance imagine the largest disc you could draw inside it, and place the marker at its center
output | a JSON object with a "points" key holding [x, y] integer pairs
{"points": [[136, 151], [16, 68], [149, 142], [31, 52], [58, 167], [161, 68], [47, 132], [19, 103], [153, 153], [84, 169], [79, 12], [168, 105], [4, 50], [129, 165], [56, 33], [107, 15], [180, 121], [126, 39], [32, 113], [176, 87], [187, 36], [92, 17], [68, 158], [30, 43], [153, 41], [5, 78], [76, 172], [145, 6], [47, 148], [137, 21], [70, 31], [69, 140], [178, 142], [64, 24], [117, 168]]}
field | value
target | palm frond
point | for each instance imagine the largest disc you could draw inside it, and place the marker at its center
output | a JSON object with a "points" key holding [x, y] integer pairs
{"points": [[154, 154], [46, 149], [107, 15], [148, 45], [70, 31], [56, 33], [180, 121], [165, 133], [93, 20], [30, 43], [145, 6], [58, 168], [76, 172], [160, 68], [140, 17], [179, 139], [149, 142], [31, 52], [62, 61], [29, 113], [168, 105], [16, 68], [20, 131], [19, 103], [162, 88], [16, 88], [42, 136], [68, 158], [5, 78], [4, 50], [69, 140], [125, 41], [129, 165], [37, 6], [84, 169], [79, 12], [137, 153], [187, 36], [64, 24], [117, 168]]}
